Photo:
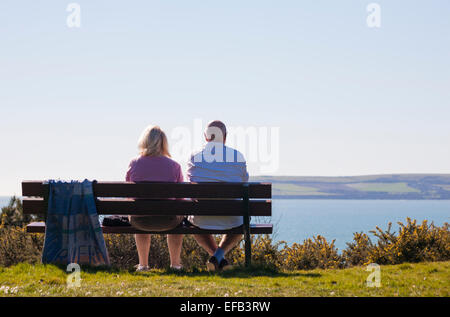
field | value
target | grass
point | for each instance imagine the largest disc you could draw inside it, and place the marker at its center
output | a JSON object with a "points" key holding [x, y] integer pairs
{"points": [[422, 279]]}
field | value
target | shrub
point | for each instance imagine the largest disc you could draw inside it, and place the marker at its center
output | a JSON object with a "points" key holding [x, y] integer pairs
{"points": [[357, 252], [414, 243], [12, 215], [192, 255], [123, 253], [16, 246], [121, 250], [264, 252], [313, 253]]}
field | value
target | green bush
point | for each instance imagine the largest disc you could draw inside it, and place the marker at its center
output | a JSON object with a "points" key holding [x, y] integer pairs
{"points": [[413, 243], [12, 215], [121, 250], [123, 253], [313, 253], [357, 252], [192, 255], [264, 252], [17, 246]]}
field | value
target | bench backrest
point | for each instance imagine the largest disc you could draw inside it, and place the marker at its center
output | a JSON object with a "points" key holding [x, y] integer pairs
{"points": [[125, 198]]}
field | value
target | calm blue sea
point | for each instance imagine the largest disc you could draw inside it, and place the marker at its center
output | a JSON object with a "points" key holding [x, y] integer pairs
{"points": [[296, 220], [299, 219]]}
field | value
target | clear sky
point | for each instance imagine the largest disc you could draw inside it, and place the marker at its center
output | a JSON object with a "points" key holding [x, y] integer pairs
{"points": [[347, 99]]}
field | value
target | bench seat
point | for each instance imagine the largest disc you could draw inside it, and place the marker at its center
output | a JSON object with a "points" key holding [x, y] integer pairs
{"points": [[39, 227], [156, 198]]}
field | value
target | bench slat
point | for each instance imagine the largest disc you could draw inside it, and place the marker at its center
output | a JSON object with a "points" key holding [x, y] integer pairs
{"points": [[163, 207], [162, 190], [39, 227]]}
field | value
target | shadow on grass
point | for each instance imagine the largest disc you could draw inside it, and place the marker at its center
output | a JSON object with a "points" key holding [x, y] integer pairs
{"points": [[236, 272], [92, 269], [240, 272]]}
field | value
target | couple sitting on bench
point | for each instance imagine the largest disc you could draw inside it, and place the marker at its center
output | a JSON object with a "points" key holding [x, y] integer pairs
{"points": [[215, 162]]}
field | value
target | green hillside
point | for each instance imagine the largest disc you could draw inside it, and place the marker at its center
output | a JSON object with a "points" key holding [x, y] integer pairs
{"points": [[389, 186]]}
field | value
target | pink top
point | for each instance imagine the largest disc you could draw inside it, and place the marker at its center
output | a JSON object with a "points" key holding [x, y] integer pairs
{"points": [[154, 169]]}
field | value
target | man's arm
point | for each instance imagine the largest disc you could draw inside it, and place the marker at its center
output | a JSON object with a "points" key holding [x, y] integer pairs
{"points": [[244, 173]]}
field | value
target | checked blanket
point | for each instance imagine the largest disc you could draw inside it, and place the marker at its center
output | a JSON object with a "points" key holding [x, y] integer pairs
{"points": [[73, 232]]}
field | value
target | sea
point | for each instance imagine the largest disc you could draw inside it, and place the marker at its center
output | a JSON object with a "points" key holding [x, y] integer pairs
{"points": [[298, 219], [295, 220]]}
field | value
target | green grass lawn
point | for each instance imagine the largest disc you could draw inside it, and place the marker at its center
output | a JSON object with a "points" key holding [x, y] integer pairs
{"points": [[423, 279]]}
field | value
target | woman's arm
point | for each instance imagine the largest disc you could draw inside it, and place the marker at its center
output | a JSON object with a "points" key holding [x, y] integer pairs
{"points": [[128, 175], [180, 177]]}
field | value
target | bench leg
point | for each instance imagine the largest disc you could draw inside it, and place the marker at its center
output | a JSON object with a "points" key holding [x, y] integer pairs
{"points": [[248, 243], [248, 248]]}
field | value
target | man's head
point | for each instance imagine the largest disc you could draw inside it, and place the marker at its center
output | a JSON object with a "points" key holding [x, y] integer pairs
{"points": [[216, 131]]}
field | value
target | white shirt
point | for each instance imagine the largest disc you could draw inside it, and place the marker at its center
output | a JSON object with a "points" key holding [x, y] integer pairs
{"points": [[216, 162]]}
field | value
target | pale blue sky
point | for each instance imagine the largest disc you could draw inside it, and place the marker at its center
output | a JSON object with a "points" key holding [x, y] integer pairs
{"points": [[348, 99]]}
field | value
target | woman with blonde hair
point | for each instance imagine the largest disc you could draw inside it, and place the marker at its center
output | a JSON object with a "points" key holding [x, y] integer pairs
{"points": [[154, 164]]}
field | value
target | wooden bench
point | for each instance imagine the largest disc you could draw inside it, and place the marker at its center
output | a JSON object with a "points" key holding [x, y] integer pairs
{"points": [[124, 198]]}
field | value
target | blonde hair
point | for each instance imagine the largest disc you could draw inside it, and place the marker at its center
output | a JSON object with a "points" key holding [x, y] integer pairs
{"points": [[153, 142]]}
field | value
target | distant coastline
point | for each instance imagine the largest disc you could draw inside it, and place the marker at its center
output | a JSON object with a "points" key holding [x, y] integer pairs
{"points": [[368, 187], [386, 187]]}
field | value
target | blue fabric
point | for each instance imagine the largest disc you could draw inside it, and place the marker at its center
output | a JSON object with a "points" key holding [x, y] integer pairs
{"points": [[219, 254], [73, 232], [216, 162]]}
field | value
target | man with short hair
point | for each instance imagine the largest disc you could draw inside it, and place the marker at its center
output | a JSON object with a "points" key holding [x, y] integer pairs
{"points": [[216, 162]]}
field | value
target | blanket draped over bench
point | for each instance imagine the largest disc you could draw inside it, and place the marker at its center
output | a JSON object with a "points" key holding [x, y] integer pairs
{"points": [[73, 234]]}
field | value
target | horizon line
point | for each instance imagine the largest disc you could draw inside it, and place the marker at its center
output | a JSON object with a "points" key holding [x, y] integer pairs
{"points": [[305, 176]]}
